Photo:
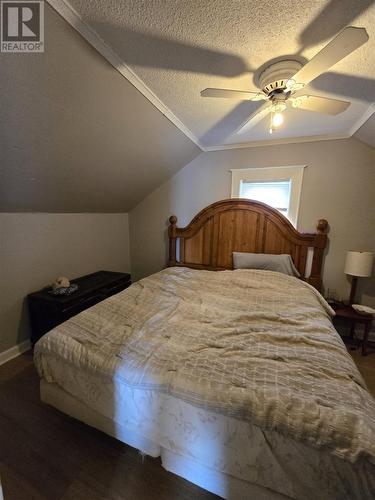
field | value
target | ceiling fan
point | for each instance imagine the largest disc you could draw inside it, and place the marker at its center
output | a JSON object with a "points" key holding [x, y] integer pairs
{"points": [[282, 83]]}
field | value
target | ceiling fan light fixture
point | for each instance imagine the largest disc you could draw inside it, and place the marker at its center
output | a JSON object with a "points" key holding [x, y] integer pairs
{"points": [[277, 120], [278, 107], [277, 117]]}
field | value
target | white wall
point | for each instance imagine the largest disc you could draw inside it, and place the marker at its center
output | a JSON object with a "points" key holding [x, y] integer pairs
{"points": [[339, 185], [35, 248]]}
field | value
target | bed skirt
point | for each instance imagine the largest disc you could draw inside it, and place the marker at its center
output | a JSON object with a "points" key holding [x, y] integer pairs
{"points": [[221, 484]]}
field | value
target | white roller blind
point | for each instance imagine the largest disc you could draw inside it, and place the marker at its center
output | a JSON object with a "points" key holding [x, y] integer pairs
{"points": [[274, 193]]}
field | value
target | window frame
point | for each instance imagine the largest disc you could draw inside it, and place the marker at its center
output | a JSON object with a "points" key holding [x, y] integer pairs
{"points": [[272, 174]]}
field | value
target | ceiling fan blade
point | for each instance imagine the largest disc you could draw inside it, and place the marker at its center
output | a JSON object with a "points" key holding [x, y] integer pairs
{"points": [[254, 119], [345, 42], [234, 94], [320, 104], [346, 86]]}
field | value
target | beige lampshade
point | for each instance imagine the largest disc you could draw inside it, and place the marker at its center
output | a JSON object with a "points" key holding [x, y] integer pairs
{"points": [[359, 263]]}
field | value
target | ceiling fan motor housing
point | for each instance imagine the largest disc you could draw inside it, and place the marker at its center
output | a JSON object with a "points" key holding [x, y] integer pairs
{"points": [[273, 79]]}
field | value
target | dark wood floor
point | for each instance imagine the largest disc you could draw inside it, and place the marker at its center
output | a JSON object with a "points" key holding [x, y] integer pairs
{"points": [[47, 455], [366, 365]]}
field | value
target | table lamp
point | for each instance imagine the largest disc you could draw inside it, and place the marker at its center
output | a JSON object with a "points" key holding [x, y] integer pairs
{"points": [[358, 265]]}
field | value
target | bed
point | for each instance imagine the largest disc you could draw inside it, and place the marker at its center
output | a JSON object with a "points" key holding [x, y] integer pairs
{"points": [[236, 379]]}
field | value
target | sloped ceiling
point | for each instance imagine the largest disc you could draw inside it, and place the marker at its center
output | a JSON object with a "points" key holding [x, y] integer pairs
{"points": [[75, 135], [178, 48], [366, 133]]}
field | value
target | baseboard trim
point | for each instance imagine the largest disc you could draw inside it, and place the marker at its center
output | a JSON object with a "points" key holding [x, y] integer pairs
{"points": [[15, 351]]}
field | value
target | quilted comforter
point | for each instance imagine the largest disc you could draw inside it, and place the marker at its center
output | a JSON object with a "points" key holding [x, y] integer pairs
{"points": [[254, 345]]}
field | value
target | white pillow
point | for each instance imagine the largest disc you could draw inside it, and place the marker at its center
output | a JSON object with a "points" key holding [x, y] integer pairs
{"points": [[269, 262]]}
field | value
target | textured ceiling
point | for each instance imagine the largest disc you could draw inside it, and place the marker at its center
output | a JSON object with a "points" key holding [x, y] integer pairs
{"points": [[177, 48]]}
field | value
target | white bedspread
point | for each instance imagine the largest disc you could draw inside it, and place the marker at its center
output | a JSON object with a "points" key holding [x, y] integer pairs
{"points": [[254, 345]]}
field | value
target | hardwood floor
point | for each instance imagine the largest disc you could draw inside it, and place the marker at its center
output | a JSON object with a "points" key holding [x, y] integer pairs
{"points": [[47, 455], [366, 365]]}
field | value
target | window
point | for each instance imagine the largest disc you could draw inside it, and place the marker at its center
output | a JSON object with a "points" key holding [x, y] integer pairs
{"points": [[279, 187], [274, 193]]}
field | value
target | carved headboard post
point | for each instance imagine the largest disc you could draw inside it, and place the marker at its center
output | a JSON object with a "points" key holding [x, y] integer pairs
{"points": [[320, 242], [172, 240]]}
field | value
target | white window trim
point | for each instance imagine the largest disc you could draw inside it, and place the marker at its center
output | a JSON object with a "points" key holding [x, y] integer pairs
{"points": [[294, 173]]}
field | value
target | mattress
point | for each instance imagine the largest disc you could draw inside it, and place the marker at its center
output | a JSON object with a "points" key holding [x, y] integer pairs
{"points": [[240, 372]]}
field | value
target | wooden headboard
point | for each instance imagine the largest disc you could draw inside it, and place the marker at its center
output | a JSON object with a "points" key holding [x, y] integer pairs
{"points": [[241, 225]]}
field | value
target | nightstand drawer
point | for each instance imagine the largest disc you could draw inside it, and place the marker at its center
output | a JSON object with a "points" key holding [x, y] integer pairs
{"points": [[116, 288], [83, 304]]}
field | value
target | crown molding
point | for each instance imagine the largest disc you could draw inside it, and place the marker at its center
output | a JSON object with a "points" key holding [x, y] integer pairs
{"points": [[295, 140], [273, 142], [363, 119], [70, 15]]}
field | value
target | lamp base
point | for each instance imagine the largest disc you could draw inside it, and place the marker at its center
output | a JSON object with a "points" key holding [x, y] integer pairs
{"points": [[353, 290]]}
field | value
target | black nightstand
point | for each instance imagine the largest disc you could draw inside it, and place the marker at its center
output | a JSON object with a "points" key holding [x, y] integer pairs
{"points": [[348, 314], [48, 311]]}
